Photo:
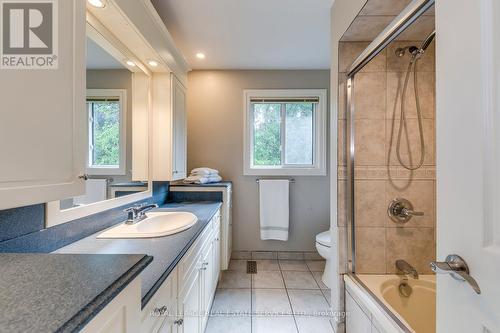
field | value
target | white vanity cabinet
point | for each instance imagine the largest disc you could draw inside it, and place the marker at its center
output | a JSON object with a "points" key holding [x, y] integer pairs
{"points": [[121, 315], [183, 301], [42, 119], [226, 224], [169, 128]]}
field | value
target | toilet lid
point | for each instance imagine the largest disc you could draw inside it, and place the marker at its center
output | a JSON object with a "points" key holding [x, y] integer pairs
{"points": [[324, 238]]}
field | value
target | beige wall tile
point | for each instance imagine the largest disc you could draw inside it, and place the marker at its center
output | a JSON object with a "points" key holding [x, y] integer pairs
{"points": [[342, 248], [370, 250], [349, 51], [341, 203], [342, 96], [370, 95], [370, 203], [421, 193], [370, 142], [410, 142], [341, 137], [395, 63], [415, 245], [426, 93]]}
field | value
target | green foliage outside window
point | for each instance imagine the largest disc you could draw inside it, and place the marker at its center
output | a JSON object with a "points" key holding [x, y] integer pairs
{"points": [[267, 139], [105, 133], [267, 134]]}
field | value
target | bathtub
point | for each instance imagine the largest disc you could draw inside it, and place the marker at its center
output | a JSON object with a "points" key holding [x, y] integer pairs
{"points": [[379, 299]]}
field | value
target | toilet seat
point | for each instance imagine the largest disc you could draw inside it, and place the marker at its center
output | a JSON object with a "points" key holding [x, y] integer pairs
{"points": [[324, 238]]}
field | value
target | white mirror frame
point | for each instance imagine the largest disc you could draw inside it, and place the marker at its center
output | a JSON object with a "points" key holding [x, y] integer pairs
{"points": [[141, 100]]}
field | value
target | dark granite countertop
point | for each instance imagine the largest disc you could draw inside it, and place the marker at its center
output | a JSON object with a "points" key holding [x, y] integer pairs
{"points": [[60, 292], [166, 251], [225, 183]]}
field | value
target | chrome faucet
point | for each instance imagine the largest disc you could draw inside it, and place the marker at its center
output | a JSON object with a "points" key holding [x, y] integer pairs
{"points": [[137, 213], [404, 268]]}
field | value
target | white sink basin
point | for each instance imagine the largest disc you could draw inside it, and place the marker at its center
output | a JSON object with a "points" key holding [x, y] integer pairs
{"points": [[156, 224]]}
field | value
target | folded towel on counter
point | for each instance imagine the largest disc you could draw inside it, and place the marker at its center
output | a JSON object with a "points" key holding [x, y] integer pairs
{"points": [[202, 179], [274, 209], [204, 171]]}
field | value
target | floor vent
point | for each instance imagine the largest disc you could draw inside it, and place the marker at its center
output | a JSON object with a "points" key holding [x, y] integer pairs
{"points": [[251, 267]]}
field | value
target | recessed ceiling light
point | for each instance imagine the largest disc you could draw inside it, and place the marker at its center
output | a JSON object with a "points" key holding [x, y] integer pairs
{"points": [[130, 63], [200, 55], [97, 3], [153, 63]]}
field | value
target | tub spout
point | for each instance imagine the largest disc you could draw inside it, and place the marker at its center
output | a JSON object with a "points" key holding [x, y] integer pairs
{"points": [[404, 268]]}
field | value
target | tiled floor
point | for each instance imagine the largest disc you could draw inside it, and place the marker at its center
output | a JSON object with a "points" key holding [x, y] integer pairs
{"points": [[284, 296]]}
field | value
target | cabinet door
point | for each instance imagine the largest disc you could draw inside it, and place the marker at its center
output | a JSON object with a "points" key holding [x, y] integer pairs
{"points": [[216, 259], [190, 303], [208, 268], [179, 135], [42, 117]]}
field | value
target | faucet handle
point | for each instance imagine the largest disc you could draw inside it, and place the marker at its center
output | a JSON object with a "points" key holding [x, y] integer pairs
{"points": [[457, 268]]}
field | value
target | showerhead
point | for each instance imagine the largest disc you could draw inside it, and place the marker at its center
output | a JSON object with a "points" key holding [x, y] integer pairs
{"points": [[427, 41]]}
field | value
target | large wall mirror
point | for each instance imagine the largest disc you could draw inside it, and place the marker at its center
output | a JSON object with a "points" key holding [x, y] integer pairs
{"points": [[117, 129]]}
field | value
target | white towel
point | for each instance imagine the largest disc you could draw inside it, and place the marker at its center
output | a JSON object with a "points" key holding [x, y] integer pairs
{"points": [[202, 179], [274, 209], [204, 171], [95, 191]]}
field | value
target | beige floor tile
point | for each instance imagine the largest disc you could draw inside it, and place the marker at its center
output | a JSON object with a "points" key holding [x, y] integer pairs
{"points": [[316, 265], [237, 265], [299, 280], [234, 279], [281, 324], [308, 302], [318, 277], [270, 302], [267, 265], [229, 324], [290, 255], [314, 324], [232, 301], [267, 279], [293, 265]]}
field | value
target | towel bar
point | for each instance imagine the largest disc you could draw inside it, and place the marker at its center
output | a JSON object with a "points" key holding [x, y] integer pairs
{"points": [[291, 180]]}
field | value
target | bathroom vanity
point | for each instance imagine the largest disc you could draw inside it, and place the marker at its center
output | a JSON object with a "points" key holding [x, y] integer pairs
{"points": [[177, 288]]}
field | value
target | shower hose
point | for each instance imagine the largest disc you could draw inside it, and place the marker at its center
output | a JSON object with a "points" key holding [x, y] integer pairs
{"points": [[402, 120]]}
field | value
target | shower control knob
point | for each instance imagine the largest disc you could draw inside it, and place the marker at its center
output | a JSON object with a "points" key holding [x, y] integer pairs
{"points": [[401, 210]]}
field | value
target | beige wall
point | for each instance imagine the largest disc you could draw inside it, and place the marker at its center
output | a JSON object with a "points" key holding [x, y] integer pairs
{"points": [[215, 139], [379, 177]]}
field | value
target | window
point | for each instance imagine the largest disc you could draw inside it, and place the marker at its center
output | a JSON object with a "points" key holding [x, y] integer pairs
{"points": [[285, 132], [106, 131]]}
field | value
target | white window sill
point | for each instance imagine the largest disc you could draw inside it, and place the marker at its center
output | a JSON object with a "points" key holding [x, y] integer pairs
{"points": [[285, 172]]}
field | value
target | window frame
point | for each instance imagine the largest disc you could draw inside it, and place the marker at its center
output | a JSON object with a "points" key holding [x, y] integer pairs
{"points": [[102, 170], [318, 167]]}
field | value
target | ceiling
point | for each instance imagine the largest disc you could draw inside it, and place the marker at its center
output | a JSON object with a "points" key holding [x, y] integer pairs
{"points": [[98, 58], [250, 34], [377, 14]]}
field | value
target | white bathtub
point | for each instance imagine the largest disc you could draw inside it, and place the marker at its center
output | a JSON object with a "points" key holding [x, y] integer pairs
{"points": [[379, 296]]}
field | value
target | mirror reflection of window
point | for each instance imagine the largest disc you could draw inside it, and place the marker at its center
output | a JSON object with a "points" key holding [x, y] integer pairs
{"points": [[109, 143], [106, 140]]}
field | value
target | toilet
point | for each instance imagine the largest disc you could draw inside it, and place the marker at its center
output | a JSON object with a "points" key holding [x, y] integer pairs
{"points": [[323, 245]]}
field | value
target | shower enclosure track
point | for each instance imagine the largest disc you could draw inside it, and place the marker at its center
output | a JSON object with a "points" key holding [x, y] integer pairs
{"points": [[407, 17]]}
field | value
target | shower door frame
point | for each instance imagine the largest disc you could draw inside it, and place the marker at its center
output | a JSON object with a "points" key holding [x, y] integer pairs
{"points": [[405, 19]]}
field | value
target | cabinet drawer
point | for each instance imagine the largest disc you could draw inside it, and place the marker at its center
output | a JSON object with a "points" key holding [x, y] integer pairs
{"points": [[162, 307]]}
